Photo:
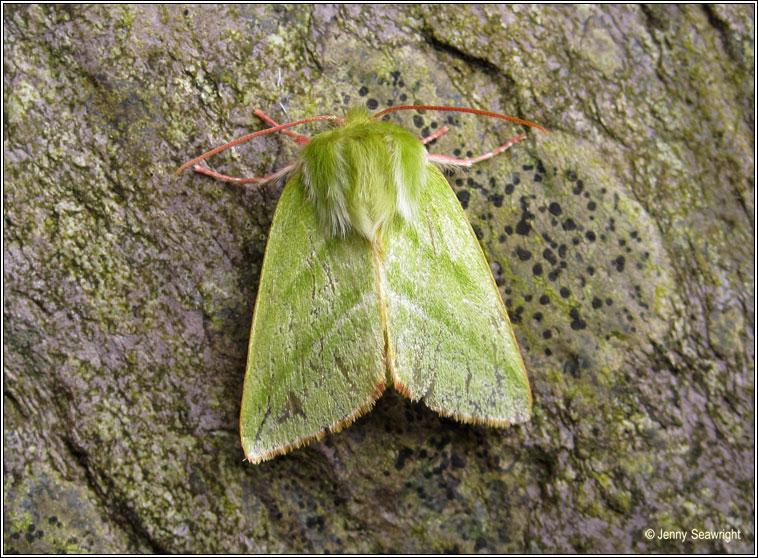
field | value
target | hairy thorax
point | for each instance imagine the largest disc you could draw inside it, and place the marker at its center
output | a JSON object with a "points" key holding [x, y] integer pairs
{"points": [[363, 175]]}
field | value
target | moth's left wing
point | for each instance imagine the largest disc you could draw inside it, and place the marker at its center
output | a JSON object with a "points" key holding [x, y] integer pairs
{"points": [[450, 340], [316, 359]]}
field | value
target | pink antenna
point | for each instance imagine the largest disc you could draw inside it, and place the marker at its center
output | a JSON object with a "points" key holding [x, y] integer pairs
{"points": [[463, 109], [251, 136]]}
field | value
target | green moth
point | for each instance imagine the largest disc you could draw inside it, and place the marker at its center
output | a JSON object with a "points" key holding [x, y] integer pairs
{"points": [[372, 276]]}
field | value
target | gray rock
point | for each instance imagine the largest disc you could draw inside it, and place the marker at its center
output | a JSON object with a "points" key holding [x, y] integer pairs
{"points": [[623, 243]]}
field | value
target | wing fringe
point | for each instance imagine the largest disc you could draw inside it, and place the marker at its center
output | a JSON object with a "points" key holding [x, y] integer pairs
{"points": [[334, 428]]}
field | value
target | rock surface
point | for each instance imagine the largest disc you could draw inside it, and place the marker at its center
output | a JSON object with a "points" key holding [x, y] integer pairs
{"points": [[622, 243]]}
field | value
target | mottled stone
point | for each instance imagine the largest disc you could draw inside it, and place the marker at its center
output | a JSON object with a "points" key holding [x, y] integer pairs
{"points": [[128, 292]]}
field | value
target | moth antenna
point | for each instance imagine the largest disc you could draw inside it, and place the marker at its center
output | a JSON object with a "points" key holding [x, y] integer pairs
{"points": [[299, 139], [251, 136], [462, 109], [435, 135], [284, 171], [445, 160]]}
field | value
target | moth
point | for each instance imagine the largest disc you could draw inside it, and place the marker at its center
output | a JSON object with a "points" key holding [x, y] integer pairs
{"points": [[372, 277]]}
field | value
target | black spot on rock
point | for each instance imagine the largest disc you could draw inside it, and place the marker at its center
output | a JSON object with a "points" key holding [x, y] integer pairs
{"points": [[619, 263], [523, 227], [569, 225], [523, 254], [402, 456], [578, 324], [463, 196]]}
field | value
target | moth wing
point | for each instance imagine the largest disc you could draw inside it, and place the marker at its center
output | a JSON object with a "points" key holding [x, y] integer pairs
{"points": [[316, 355], [450, 338]]}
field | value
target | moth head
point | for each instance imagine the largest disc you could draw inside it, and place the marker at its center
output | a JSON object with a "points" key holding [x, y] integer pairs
{"points": [[363, 175]]}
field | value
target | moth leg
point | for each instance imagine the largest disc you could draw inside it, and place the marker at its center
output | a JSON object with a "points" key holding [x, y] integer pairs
{"points": [[445, 160], [299, 138], [282, 172], [435, 135]]}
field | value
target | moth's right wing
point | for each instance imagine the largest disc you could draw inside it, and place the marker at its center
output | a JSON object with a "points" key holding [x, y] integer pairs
{"points": [[316, 359], [450, 339]]}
